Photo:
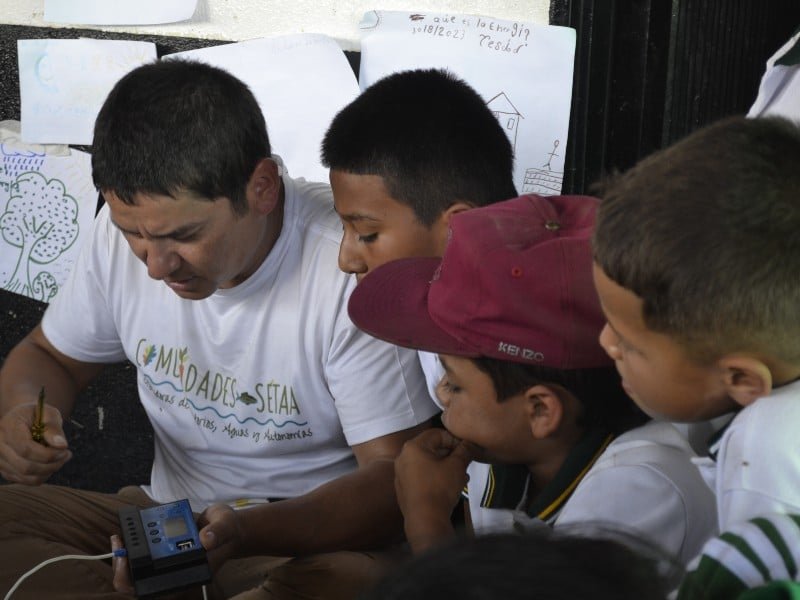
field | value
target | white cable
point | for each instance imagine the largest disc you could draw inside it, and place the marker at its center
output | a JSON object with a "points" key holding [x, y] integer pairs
{"points": [[56, 559], [120, 552]]}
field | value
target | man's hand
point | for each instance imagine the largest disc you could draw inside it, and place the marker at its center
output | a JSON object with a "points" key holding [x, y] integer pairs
{"points": [[220, 534], [23, 460], [430, 474], [119, 565]]}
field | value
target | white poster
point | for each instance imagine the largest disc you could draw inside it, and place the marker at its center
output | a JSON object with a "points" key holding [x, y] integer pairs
{"points": [[300, 82], [118, 12], [47, 204], [779, 92], [522, 70], [63, 84]]}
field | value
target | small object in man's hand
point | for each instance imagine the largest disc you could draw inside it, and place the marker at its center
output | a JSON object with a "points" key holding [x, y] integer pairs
{"points": [[37, 429]]}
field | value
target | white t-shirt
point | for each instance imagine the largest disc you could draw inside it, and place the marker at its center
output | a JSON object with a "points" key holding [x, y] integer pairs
{"points": [[757, 468], [259, 390], [643, 483]]}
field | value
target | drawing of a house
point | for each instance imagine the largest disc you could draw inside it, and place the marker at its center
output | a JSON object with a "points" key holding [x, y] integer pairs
{"points": [[507, 114]]}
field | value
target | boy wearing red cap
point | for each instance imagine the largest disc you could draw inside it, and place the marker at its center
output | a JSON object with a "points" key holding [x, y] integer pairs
{"points": [[696, 264], [529, 394]]}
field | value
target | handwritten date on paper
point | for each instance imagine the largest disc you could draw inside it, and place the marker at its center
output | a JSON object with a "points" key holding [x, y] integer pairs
{"points": [[491, 34]]}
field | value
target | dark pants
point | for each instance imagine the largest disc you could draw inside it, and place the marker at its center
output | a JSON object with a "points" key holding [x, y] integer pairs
{"points": [[37, 523]]}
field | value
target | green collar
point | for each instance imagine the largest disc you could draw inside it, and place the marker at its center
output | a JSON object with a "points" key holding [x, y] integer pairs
{"points": [[507, 485]]}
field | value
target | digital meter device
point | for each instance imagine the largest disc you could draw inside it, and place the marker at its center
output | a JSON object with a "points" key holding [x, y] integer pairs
{"points": [[164, 549]]}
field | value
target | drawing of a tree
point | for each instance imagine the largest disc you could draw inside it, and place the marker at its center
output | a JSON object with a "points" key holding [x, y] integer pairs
{"points": [[44, 286], [42, 221]]}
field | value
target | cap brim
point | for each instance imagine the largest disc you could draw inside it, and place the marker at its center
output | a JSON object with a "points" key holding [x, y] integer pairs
{"points": [[391, 303]]}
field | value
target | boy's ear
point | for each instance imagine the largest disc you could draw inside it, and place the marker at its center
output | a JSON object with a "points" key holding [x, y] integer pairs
{"points": [[544, 410], [263, 189], [746, 378], [454, 209], [441, 227]]}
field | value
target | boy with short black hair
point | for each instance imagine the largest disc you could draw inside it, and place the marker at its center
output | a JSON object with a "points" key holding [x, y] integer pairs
{"points": [[697, 256], [414, 149], [512, 312]]}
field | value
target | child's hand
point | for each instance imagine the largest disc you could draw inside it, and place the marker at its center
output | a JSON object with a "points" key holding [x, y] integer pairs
{"points": [[430, 474]]}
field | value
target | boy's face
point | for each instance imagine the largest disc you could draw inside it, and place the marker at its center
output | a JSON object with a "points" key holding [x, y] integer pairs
{"points": [[194, 246], [378, 228], [499, 430], [656, 372]]}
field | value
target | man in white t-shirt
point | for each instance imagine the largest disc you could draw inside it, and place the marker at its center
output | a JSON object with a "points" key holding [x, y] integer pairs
{"points": [[216, 275]]}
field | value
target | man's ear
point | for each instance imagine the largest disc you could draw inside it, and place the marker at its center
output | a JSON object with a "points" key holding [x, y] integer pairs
{"points": [[264, 186], [746, 378], [544, 410]]}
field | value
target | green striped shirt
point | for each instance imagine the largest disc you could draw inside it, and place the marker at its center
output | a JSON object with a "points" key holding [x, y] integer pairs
{"points": [[758, 560]]}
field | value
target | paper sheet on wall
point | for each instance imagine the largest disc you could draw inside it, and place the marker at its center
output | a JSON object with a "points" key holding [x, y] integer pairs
{"points": [[779, 91], [118, 12], [522, 70], [47, 203], [300, 81], [63, 84]]}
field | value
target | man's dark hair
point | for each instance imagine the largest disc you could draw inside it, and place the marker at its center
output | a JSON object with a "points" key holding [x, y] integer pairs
{"points": [[705, 233], [175, 126], [541, 564], [432, 139], [604, 402]]}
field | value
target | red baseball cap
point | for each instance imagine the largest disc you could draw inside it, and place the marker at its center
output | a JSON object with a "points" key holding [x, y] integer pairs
{"points": [[515, 283]]}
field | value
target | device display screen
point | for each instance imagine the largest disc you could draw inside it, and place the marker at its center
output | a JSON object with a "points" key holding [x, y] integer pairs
{"points": [[175, 526]]}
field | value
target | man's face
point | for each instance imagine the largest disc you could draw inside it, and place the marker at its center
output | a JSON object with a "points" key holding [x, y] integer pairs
{"points": [[499, 430], [194, 246], [378, 228], [656, 372]]}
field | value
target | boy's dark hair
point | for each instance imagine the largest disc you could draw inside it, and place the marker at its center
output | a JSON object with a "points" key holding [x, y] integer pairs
{"points": [[176, 126], [543, 565], [603, 401], [706, 234], [432, 139]]}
